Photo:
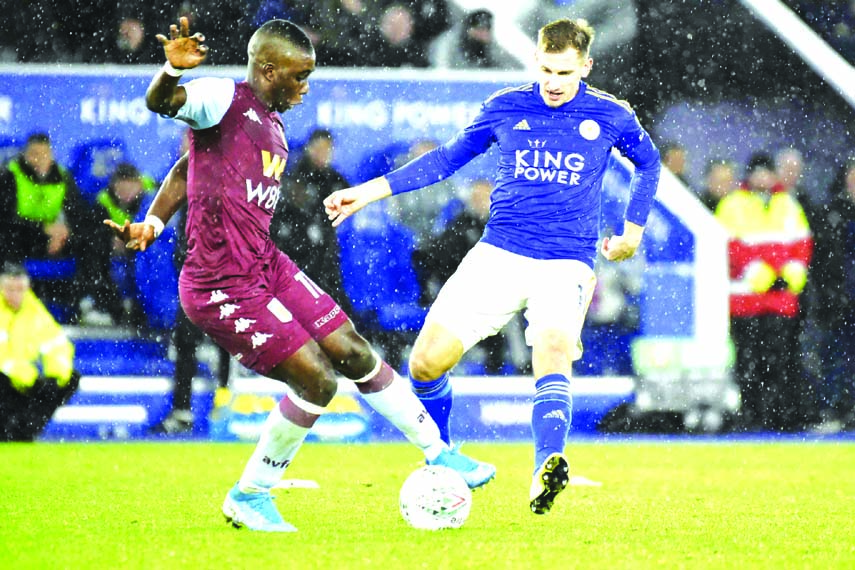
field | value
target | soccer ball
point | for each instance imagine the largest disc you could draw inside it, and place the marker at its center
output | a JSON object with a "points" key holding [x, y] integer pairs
{"points": [[435, 497]]}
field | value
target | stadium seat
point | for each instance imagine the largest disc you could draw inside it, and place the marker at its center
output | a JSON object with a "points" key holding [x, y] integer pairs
{"points": [[377, 271], [93, 162], [380, 162], [121, 357], [9, 148], [53, 282], [157, 282], [449, 211], [40, 269], [156, 277]]}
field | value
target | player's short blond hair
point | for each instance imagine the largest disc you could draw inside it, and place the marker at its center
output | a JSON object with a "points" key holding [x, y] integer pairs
{"points": [[560, 35]]}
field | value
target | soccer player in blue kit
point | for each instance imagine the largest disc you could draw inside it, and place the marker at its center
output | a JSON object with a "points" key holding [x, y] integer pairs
{"points": [[537, 253]]}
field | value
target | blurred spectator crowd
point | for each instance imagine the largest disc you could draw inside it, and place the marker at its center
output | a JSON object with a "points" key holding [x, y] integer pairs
{"points": [[346, 33]]}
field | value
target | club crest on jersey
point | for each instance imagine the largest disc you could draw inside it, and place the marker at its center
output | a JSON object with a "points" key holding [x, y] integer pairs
{"points": [[589, 129]]}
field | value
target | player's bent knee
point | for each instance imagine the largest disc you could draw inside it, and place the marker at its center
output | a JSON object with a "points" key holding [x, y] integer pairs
{"points": [[423, 368], [310, 374], [327, 390], [320, 390], [436, 352], [349, 352]]}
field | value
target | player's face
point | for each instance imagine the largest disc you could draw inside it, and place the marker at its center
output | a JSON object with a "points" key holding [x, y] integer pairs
{"points": [[290, 79], [560, 74]]}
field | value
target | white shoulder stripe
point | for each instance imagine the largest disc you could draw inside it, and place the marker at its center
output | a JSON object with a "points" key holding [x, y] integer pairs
{"points": [[608, 97], [506, 90]]}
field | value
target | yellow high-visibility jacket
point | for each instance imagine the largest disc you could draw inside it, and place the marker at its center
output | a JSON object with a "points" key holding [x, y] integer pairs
{"points": [[33, 344], [773, 236]]}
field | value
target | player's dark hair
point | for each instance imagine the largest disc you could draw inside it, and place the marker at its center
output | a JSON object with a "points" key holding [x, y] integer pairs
{"points": [[38, 138], [125, 171], [288, 31], [760, 159], [320, 134], [558, 36]]}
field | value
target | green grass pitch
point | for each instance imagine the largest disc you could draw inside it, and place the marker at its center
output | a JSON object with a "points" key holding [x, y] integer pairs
{"points": [[661, 504]]}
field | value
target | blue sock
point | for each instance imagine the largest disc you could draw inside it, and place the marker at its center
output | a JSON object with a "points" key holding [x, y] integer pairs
{"points": [[436, 397], [550, 416]]}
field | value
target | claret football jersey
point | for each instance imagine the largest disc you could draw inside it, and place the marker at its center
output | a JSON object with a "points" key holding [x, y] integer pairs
{"points": [[237, 157]]}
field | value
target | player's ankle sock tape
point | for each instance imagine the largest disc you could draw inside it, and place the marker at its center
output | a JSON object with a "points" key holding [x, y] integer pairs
{"points": [[378, 362], [433, 388], [378, 379], [299, 411]]}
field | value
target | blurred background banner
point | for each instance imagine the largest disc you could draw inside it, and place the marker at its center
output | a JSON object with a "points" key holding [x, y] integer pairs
{"points": [[373, 115]]}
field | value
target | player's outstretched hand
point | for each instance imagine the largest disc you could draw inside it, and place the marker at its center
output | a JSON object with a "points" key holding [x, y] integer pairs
{"points": [[342, 204], [182, 50], [621, 247], [136, 237]]}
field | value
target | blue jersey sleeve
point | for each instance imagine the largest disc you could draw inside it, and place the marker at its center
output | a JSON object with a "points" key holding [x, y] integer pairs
{"points": [[635, 144], [445, 160]]}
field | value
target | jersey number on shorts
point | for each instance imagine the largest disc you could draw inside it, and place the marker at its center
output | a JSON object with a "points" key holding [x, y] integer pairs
{"points": [[310, 286]]}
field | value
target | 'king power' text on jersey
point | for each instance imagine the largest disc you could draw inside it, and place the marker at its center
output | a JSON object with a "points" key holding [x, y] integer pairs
{"points": [[546, 202], [232, 182]]}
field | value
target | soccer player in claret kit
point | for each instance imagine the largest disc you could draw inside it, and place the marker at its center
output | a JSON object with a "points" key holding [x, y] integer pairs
{"points": [[249, 297], [537, 253]]}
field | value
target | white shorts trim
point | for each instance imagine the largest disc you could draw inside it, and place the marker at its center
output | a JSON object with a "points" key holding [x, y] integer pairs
{"points": [[492, 284]]}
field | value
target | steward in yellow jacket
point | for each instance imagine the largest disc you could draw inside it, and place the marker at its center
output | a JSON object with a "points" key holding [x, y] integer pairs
{"points": [[770, 249], [36, 359]]}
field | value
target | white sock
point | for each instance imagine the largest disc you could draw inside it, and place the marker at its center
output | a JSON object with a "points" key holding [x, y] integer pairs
{"points": [[399, 405], [280, 439]]}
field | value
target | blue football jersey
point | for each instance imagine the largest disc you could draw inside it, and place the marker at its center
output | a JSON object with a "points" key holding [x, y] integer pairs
{"points": [[546, 202]]}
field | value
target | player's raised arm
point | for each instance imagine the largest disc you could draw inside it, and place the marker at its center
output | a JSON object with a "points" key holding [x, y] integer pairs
{"points": [[183, 52], [171, 195], [342, 204]]}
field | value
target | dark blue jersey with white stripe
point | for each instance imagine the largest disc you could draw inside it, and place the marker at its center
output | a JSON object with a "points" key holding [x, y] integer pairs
{"points": [[546, 201]]}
